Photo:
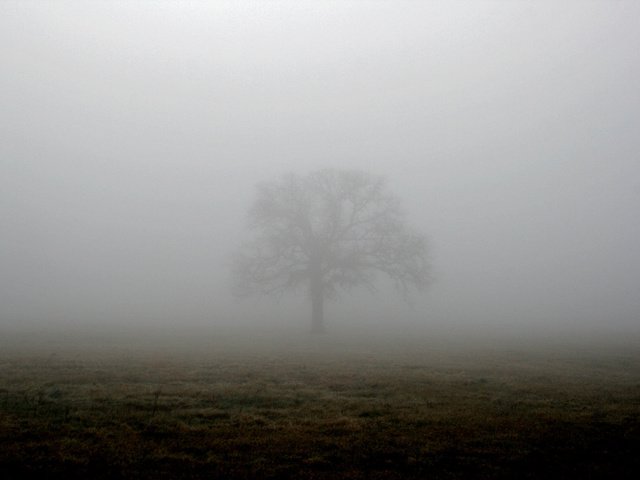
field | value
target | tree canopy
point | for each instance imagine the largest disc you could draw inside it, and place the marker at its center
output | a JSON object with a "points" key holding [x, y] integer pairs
{"points": [[328, 231]]}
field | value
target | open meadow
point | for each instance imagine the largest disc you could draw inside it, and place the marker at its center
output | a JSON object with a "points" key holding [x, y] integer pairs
{"points": [[206, 405]]}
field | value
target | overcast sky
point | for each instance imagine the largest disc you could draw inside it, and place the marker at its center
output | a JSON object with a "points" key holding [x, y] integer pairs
{"points": [[132, 135]]}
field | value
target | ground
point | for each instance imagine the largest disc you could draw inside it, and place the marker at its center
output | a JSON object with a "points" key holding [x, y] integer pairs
{"points": [[211, 405]]}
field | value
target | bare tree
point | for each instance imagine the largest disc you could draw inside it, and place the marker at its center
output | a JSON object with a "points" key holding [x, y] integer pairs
{"points": [[328, 231]]}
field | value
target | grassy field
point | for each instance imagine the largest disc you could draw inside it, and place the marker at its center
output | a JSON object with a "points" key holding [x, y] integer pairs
{"points": [[287, 406]]}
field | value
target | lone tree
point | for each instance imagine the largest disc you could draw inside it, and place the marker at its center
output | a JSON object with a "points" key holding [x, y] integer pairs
{"points": [[328, 231]]}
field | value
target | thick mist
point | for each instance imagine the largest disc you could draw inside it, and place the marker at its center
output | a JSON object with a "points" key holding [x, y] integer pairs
{"points": [[132, 135]]}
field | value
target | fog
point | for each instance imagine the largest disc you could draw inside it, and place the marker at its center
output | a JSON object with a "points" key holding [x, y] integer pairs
{"points": [[132, 135]]}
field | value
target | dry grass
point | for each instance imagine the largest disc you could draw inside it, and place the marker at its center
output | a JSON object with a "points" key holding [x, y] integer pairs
{"points": [[307, 408]]}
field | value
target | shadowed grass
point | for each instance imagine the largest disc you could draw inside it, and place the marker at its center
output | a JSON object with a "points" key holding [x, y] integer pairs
{"points": [[407, 411]]}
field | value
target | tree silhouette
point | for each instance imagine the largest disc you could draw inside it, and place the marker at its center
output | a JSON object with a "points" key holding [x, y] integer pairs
{"points": [[328, 231]]}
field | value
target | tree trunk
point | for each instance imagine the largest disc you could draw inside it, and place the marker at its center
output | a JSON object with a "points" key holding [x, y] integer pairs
{"points": [[317, 302]]}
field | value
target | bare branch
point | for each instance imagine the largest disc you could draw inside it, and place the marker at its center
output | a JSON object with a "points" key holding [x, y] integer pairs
{"points": [[342, 225]]}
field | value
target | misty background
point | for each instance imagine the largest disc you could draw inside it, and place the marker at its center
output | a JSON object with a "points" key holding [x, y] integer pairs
{"points": [[132, 135]]}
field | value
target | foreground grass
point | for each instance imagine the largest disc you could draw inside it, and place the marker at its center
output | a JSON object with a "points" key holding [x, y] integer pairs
{"points": [[320, 409]]}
